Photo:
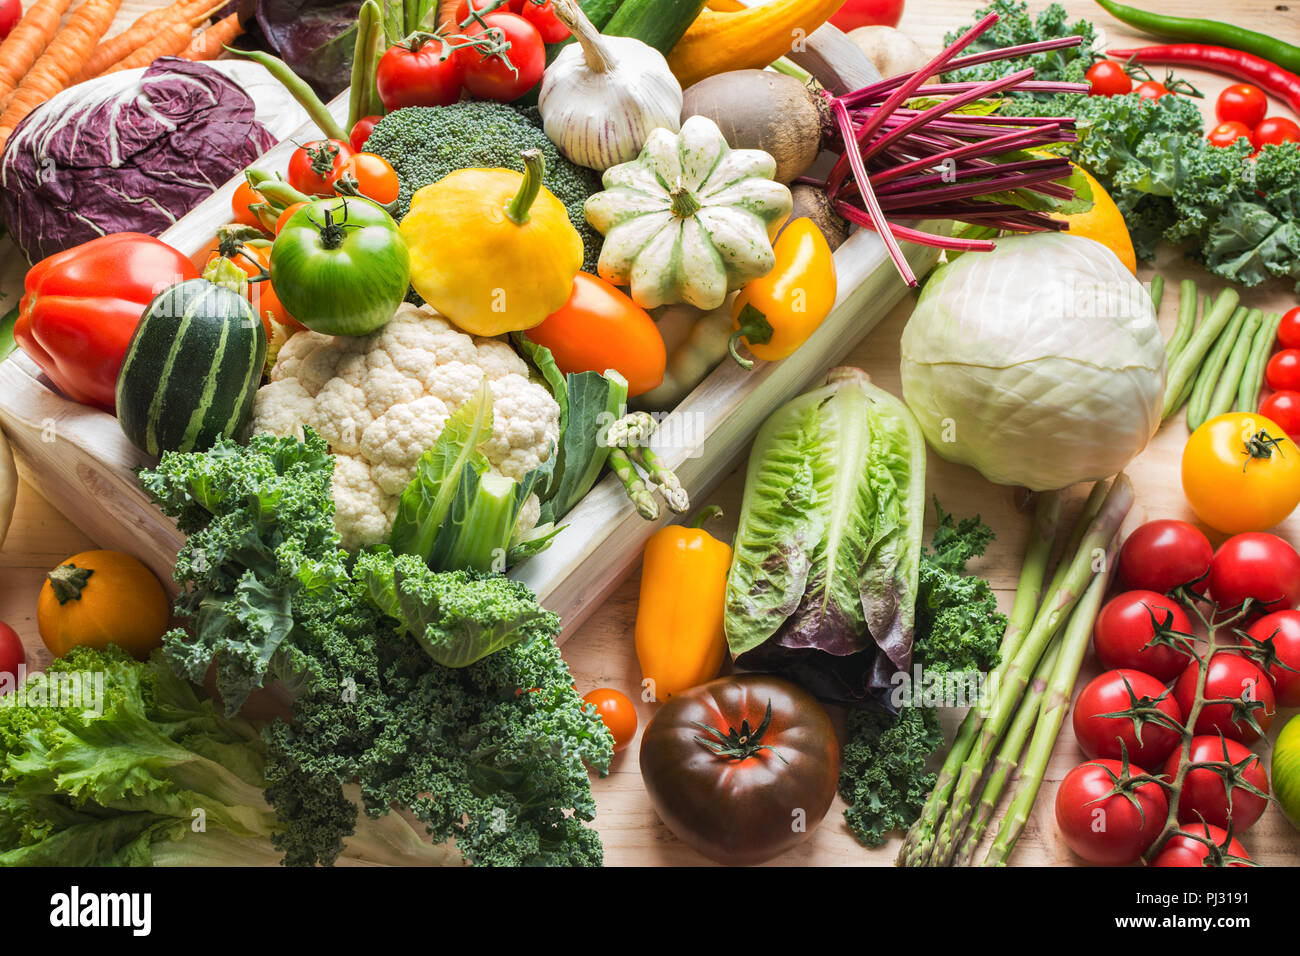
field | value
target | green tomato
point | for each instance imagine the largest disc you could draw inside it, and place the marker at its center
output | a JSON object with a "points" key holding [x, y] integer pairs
{"points": [[1286, 771], [340, 266]]}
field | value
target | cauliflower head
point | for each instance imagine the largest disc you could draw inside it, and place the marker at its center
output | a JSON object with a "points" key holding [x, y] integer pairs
{"points": [[381, 401]]}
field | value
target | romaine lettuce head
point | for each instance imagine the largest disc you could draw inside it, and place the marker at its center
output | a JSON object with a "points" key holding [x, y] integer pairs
{"points": [[1039, 363]]}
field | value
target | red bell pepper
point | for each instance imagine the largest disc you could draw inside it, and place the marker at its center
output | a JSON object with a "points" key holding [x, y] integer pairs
{"points": [[80, 307]]}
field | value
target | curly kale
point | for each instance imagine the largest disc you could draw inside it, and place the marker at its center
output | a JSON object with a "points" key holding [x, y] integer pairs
{"points": [[492, 752], [1016, 27], [883, 765], [425, 143]]}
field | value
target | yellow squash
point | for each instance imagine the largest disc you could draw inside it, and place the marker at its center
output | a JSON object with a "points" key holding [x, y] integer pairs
{"points": [[492, 249], [679, 637], [98, 598]]}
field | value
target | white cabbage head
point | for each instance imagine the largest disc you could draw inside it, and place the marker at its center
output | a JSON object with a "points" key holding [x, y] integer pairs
{"points": [[1039, 363]]}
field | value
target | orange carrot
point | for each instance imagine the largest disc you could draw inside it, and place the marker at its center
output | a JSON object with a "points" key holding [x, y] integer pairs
{"points": [[61, 61], [136, 35], [171, 41], [207, 45], [25, 44]]}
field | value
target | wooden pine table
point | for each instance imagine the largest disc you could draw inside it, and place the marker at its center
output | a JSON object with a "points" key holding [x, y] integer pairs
{"points": [[601, 654]]}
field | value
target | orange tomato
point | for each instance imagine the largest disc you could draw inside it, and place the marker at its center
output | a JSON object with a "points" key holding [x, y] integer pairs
{"points": [[600, 328], [286, 215], [244, 197], [375, 177], [98, 598], [617, 712], [252, 260]]}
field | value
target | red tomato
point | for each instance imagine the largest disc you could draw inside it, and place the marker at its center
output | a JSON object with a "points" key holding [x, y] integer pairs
{"points": [[617, 712], [1228, 132], [499, 72], [1165, 554], [1188, 851], [1241, 103], [361, 132], [1151, 90], [423, 74], [1276, 129], [1283, 627], [12, 656], [1283, 370], [1204, 798], [1108, 78], [375, 178], [600, 327], [314, 166], [11, 11], [245, 196], [1118, 690], [868, 13], [487, 6], [1108, 830], [1255, 565], [1288, 332], [1284, 409], [1236, 680], [1127, 624], [542, 17]]}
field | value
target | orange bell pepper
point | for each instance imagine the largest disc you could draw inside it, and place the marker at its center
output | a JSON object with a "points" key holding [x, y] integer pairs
{"points": [[680, 641]]}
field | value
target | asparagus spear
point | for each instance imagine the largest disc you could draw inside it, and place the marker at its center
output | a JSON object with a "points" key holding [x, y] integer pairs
{"points": [[642, 497], [662, 478], [1055, 705], [633, 429]]}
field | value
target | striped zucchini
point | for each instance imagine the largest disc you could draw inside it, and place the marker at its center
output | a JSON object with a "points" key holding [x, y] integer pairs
{"points": [[191, 370]]}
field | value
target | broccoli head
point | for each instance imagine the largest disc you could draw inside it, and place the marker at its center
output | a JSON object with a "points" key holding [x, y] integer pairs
{"points": [[425, 143]]}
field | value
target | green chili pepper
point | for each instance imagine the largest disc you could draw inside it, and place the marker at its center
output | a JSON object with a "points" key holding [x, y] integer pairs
{"points": [[1285, 55]]}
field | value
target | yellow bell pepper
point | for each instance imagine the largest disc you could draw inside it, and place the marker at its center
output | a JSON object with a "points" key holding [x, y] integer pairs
{"points": [[776, 314], [680, 641], [492, 249]]}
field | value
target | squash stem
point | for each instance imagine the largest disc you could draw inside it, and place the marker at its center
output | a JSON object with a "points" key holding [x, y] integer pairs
{"points": [[684, 205], [67, 582], [534, 169]]}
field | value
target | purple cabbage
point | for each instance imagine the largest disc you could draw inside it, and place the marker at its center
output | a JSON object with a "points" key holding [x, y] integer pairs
{"points": [[131, 157]]}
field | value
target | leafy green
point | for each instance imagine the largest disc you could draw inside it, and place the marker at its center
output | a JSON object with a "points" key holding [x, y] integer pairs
{"points": [[493, 754], [884, 775], [1015, 27]]}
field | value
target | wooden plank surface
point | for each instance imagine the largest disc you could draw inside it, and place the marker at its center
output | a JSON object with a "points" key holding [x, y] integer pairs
{"points": [[601, 652]]}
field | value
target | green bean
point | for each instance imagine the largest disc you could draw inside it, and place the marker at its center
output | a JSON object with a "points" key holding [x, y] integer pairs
{"points": [[1157, 290], [1187, 299], [299, 90], [365, 58], [1252, 380], [1191, 381], [1225, 392], [1183, 369], [1212, 369]]}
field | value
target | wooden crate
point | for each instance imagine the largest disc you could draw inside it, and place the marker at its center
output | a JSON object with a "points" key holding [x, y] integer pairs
{"points": [[79, 458]]}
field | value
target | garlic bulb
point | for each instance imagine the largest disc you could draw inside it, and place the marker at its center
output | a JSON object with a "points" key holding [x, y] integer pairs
{"points": [[604, 95]]}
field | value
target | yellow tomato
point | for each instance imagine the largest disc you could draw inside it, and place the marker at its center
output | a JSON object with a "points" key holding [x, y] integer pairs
{"points": [[1241, 473], [98, 598], [1104, 223]]}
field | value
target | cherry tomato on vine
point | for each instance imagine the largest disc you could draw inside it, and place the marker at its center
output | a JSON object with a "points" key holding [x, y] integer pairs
{"points": [[616, 710], [1165, 554], [285, 216], [1241, 103], [542, 17], [1284, 408], [1189, 851], [314, 166], [1288, 332], [1151, 90], [1119, 690], [1237, 681], [1259, 566], [1276, 130], [244, 197], [1124, 629], [499, 72], [1241, 473], [491, 6], [1131, 825], [374, 177], [1283, 370], [1228, 132], [427, 72], [1108, 78], [1283, 628], [1204, 797], [361, 132]]}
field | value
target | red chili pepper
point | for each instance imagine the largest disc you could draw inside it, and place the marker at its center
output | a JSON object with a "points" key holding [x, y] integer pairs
{"points": [[1243, 66], [80, 307]]}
